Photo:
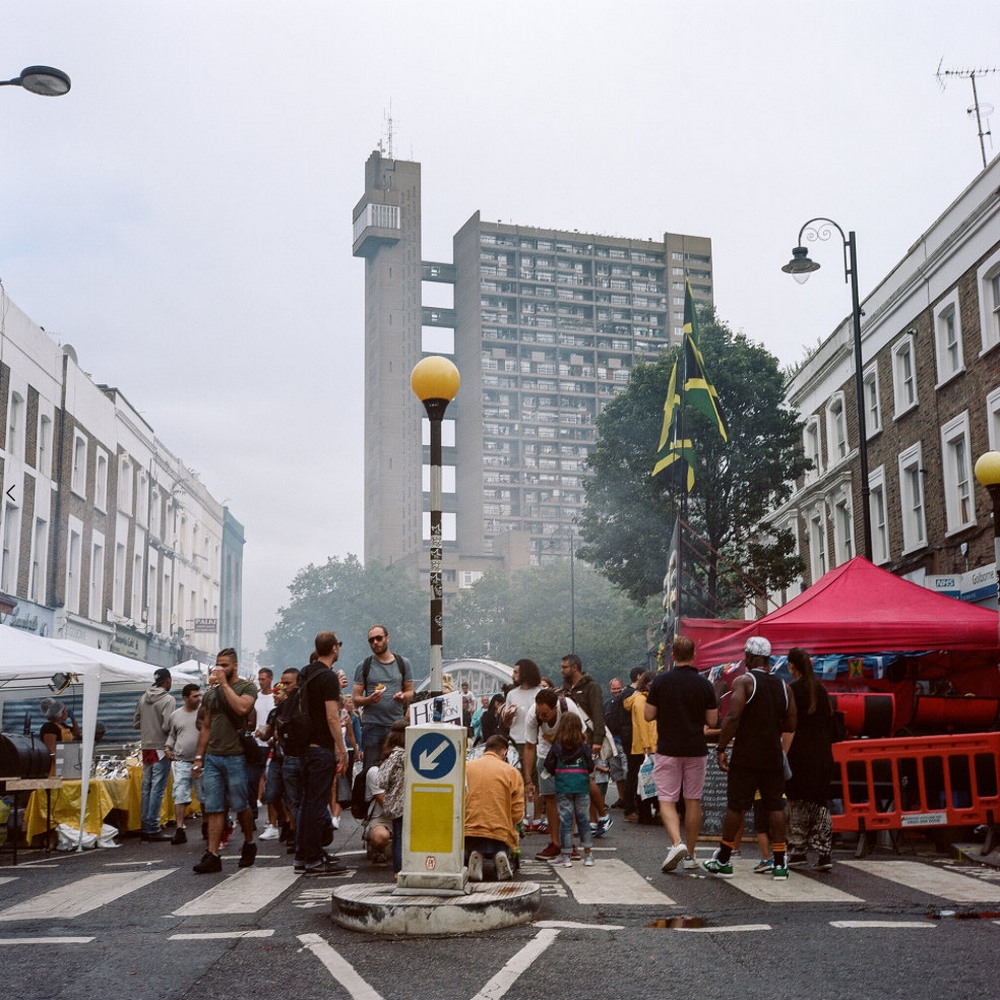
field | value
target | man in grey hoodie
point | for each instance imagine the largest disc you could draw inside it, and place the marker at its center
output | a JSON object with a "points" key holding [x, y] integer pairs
{"points": [[152, 719]]}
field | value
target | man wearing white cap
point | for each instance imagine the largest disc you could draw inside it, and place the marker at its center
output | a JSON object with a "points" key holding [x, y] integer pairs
{"points": [[761, 709]]}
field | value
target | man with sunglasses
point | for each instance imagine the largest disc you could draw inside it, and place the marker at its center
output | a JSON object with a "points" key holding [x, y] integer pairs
{"points": [[383, 690]]}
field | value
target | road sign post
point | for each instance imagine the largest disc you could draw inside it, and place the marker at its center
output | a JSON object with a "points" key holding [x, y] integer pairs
{"points": [[434, 811]]}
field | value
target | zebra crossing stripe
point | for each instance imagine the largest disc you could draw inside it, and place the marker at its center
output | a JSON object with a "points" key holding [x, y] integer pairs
{"points": [[932, 880], [796, 888], [611, 881], [245, 891], [87, 894]]}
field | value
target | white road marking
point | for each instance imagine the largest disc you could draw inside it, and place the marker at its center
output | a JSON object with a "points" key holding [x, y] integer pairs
{"points": [[932, 880], [574, 926], [47, 940], [795, 889], [517, 965], [12, 878], [243, 892], [611, 881], [866, 924], [723, 930], [211, 935], [81, 896], [339, 968]]}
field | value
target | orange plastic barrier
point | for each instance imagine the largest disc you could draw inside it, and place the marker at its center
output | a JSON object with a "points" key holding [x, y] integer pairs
{"points": [[915, 782]]}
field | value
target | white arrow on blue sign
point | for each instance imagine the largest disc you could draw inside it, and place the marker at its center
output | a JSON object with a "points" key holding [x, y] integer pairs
{"points": [[433, 755]]}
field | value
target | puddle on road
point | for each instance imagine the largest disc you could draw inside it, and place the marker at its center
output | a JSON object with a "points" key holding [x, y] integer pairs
{"points": [[943, 914], [677, 923]]}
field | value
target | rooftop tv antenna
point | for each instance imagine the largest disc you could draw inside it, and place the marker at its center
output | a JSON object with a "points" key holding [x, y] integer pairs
{"points": [[385, 143], [980, 110]]}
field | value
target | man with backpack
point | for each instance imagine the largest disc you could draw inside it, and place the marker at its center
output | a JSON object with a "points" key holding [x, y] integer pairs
{"points": [[309, 725], [383, 690]]}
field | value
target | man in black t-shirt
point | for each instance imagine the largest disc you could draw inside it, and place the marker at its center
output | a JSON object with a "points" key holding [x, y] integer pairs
{"points": [[321, 760], [683, 703]]}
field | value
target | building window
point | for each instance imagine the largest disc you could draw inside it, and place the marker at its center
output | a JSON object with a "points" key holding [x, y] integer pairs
{"points": [[873, 407], [948, 338], [78, 475], [904, 372], [843, 530], [74, 556], [817, 543], [125, 485], [39, 555], [812, 448], [988, 283], [95, 603], [101, 481], [15, 422], [45, 446], [11, 545], [877, 508], [957, 473], [118, 587], [911, 498], [993, 419], [836, 430]]}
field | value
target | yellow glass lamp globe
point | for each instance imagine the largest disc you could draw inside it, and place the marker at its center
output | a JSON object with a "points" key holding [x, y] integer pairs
{"points": [[435, 378]]}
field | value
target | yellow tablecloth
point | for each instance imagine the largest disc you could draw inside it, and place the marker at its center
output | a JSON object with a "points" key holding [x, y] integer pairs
{"points": [[124, 794]]}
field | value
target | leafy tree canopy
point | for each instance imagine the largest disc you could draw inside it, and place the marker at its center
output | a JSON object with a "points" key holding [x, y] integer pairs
{"points": [[628, 518], [350, 597], [531, 616]]}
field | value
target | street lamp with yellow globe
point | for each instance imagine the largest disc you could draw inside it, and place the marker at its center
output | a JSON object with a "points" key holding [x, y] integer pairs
{"points": [[988, 473], [435, 381]]}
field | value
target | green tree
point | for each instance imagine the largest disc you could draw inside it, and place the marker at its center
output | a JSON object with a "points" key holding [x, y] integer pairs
{"points": [[628, 518], [349, 597], [532, 615]]}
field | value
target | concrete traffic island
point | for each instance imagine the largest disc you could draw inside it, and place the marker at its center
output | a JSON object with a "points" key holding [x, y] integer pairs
{"points": [[374, 909]]}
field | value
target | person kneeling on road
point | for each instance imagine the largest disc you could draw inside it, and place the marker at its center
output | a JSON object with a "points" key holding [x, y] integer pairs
{"points": [[494, 806]]}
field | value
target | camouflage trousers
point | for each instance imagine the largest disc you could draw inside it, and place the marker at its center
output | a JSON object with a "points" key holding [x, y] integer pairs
{"points": [[809, 828]]}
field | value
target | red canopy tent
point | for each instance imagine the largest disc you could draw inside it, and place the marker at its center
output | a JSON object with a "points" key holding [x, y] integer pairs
{"points": [[859, 608]]}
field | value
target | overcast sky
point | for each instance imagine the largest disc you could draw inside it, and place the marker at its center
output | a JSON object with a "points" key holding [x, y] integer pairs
{"points": [[183, 216]]}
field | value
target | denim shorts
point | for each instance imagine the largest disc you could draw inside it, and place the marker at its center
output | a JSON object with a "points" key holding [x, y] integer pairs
{"points": [[225, 779], [182, 781]]}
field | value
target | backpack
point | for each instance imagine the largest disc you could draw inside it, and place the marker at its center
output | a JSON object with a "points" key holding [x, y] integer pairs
{"points": [[616, 718], [293, 722], [359, 803]]}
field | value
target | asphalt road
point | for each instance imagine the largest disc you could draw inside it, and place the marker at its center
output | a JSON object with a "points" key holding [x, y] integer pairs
{"points": [[135, 923]]}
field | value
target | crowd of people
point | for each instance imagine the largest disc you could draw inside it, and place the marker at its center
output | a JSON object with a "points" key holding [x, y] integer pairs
{"points": [[311, 744]]}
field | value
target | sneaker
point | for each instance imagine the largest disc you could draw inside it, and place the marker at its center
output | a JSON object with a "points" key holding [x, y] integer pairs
{"points": [[475, 866], [797, 861], [208, 864], [336, 822], [248, 855], [779, 874], [548, 852], [179, 837], [736, 854], [690, 864], [326, 869], [824, 864], [271, 832], [542, 826], [588, 861], [504, 870], [601, 827], [562, 859], [674, 855], [299, 868], [763, 867], [715, 867]]}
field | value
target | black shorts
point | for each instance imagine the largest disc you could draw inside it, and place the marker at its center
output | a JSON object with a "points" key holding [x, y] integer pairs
{"points": [[745, 782]]}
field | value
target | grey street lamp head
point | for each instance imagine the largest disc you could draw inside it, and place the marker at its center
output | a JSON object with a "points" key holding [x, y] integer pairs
{"points": [[800, 266], [46, 81]]}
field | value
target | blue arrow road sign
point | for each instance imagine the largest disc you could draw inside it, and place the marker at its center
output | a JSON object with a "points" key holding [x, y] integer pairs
{"points": [[433, 755]]}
